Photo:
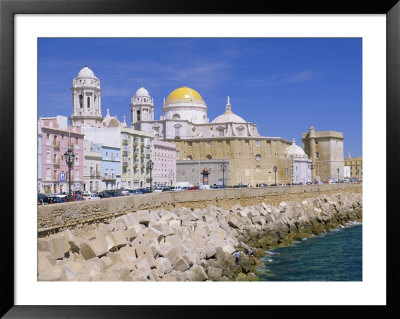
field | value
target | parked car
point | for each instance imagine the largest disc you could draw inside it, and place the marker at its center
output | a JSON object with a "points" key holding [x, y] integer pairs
{"points": [[193, 188], [90, 196], [43, 199], [55, 200], [104, 194]]}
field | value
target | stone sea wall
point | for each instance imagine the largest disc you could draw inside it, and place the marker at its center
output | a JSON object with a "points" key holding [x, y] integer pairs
{"points": [[50, 218], [189, 244]]}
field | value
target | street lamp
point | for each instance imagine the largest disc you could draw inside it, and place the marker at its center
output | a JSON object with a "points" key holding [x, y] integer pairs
{"points": [[311, 166], [275, 170], [69, 160], [150, 165], [223, 169], [338, 174], [171, 176]]}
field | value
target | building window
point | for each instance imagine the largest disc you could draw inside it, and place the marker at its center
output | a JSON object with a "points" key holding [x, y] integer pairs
{"points": [[80, 101], [190, 157], [316, 142], [257, 143], [257, 168], [208, 144], [258, 157], [176, 117], [88, 102], [177, 131], [190, 144], [317, 154], [209, 156], [48, 136]]}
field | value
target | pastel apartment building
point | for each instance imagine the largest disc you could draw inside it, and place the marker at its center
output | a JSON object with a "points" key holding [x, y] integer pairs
{"points": [[164, 158], [55, 136]]}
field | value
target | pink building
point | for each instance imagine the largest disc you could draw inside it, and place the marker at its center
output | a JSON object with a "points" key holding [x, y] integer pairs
{"points": [[164, 158], [54, 138]]}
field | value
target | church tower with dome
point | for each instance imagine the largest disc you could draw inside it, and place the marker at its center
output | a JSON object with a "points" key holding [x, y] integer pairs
{"points": [[142, 106], [86, 100]]}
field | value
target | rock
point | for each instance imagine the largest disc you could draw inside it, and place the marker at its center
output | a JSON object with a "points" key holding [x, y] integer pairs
{"points": [[94, 248], [196, 273], [153, 233], [45, 261], [229, 249], [163, 265], [57, 245], [115, 240], [180, 265], [133, 231], [106, 261], [52, 274], [234, 222], [214, 273]]}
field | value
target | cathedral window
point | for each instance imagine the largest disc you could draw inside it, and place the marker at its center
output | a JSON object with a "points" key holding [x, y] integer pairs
{"points": [[240, 131], [177, 131]]}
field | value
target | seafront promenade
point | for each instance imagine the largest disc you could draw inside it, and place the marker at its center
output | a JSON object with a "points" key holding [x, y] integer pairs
{"points": [[188, 236]]}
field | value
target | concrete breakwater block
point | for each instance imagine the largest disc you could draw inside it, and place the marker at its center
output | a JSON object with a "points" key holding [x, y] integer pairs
{"points": [[94, 248]]}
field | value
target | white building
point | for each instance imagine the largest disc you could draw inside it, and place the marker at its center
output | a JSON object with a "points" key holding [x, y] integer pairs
{"points": [[300, 164]]}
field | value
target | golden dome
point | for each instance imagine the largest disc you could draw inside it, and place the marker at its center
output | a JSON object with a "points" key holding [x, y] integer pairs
{"points": [[184, 94]]}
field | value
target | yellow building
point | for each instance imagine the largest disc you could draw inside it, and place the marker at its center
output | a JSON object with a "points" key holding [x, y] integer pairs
{"points": [[355, 165]]}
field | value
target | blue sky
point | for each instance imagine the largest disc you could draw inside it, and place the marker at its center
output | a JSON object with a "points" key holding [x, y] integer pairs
{"points": [[284, 85]]}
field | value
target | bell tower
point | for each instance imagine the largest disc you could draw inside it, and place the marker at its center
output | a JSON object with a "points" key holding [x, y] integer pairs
{"points": [[142, 106], [86, 99]]}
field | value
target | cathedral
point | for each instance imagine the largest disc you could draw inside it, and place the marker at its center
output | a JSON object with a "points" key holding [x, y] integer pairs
{"points": [[227, 150]]}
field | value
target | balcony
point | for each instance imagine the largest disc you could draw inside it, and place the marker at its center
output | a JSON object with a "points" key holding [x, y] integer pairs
{"points": [[135, 143], [125, 153], [124, 142], [56, 144], [56, 162], [109, 178], [95, 175], [125, 164]]}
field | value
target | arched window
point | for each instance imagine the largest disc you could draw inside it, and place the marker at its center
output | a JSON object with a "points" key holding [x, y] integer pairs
{"points": [[209, 156], [88, 102], [190, 157], [80, 100], [138, 115], [176, 117], [240, 131], [220, 131]]}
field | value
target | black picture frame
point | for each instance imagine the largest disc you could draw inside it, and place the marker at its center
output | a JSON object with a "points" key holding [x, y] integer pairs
{"points": [[8, 10]]}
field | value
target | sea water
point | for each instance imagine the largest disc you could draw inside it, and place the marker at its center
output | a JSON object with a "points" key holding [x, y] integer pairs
{"points": [[332, 256]]}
